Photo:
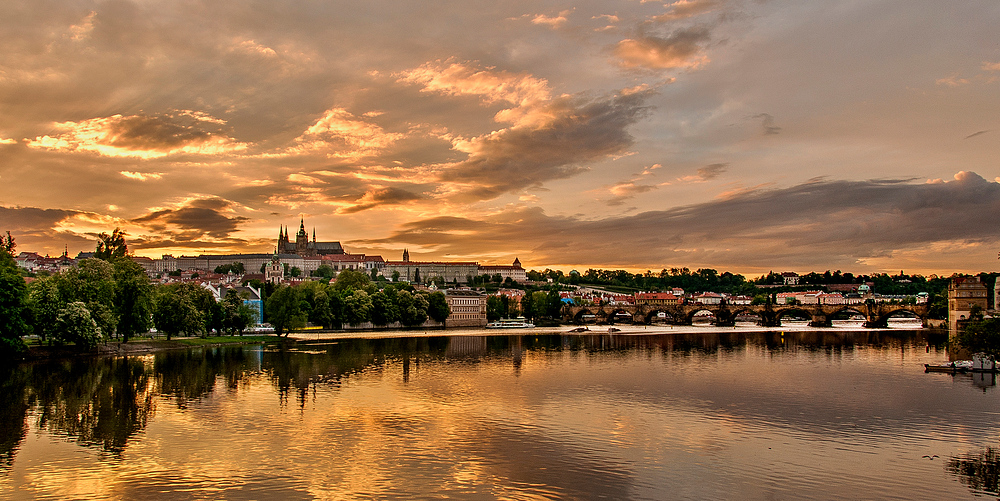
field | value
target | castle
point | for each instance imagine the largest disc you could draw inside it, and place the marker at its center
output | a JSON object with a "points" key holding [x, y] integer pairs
{"points": [[302, 246]]}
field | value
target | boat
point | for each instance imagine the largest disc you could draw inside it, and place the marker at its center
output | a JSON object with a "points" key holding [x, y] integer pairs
{"points": [[510, 323], [952, 367]]}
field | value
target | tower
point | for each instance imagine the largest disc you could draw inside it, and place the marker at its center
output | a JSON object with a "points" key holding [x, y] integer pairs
{"points": [[301, 239], [406, 256]]}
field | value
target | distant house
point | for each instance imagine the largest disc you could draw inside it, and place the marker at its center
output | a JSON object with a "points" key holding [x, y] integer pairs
{"points": [[656, 299], [790, 278]]}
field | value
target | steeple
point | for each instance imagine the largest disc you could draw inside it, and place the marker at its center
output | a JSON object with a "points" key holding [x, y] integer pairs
{"points": [[406, 256], [302, 226], [314, 234]]}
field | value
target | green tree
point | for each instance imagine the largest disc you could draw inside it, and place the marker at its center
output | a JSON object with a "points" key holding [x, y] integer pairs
{"points": [[416, 276], [357, 307], [133, 297], [395, 275], [539, 304], [14, 311], [295, 271], [981, 336], [45, 303], [324, 271], [237, 315], [494, 308], [352, 280], [92, 282], [75, 325], [437, 307], [412, 308], [185, 308], [111, 246], [384, 308], [284, 311]]}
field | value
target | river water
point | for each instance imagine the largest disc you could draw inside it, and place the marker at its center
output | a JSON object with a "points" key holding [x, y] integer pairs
{"points": [[812, 414]]}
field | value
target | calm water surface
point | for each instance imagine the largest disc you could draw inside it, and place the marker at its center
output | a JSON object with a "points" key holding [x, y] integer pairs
{"points": [[803, 415]]}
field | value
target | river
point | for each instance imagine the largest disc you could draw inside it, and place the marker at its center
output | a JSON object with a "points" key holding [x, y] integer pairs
{"points": [[693, 413]]}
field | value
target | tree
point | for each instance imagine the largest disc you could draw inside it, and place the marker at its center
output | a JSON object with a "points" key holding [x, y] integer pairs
{"points": [[45, 303], [981, 336], [14, 309], [92, 282], [295, 271], [494, 308], [75, 325], [111, 246], [384, 308], [283, 310], [437, 307], [357, 307], [412, 308], [352, 280], [133, 297], [237, 315], [181, 308], [416, 276], [395, 275], [324, 271]]}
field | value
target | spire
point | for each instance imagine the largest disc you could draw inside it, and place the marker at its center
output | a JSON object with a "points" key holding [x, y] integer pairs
{"points": [[314, 234], [406, 256]]}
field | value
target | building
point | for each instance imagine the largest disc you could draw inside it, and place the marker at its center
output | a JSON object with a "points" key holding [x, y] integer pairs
{"points": [[514, 272], [656, 299], [964, 295], [468, 308], [790, 278], [302, 246], [422, 271]]}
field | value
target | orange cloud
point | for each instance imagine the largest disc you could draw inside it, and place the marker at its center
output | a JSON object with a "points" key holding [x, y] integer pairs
{"points": [[340, 134], [142, 136], [680, 50]]}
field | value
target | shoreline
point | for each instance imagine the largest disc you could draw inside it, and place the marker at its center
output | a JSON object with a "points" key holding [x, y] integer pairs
{"points": [[145, 346]]}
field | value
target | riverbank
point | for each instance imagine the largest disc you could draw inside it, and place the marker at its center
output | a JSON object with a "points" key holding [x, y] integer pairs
{"points": [[142, 345]]}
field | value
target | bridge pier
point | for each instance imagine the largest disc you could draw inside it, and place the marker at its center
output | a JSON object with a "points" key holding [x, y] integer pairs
{"points": [[876, 323], [820, 321]]}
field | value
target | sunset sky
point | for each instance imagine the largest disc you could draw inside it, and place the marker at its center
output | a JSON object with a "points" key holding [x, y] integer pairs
{"points": [[739, 135]]}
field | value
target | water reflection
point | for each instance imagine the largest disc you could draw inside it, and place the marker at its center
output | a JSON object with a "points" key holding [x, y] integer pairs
{"points": [[980, 471], [688, 415]]}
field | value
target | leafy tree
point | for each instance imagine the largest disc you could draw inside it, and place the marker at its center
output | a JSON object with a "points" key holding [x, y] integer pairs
{"points": [[45, 303], [283, 310], [412, 308], [352, 280], [357, 307], [416, 276], [133, 297], [237, 315], [395, 275], [539, 304], [92, 282], [384, 308], [75, 325], [494, 308], [185, 308], [981, 336], [14, 311], [295, 271], [111, 246], [324, 271], [437, 307]]}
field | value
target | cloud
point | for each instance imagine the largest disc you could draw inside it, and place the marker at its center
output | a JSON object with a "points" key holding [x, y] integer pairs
{"points": [[340, 134], [553, 21], [682, 49], [141, 136], [522, 157], [141, 176], [7, 141], [952, 81], [712, 171], [684, 9], [820, 224], [200, 221], [381, 197], [767, 123], [988, 66], [979, 133], [529, 94]]}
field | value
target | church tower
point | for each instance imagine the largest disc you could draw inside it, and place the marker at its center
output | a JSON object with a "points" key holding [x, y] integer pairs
{"points": [[406, 256]]}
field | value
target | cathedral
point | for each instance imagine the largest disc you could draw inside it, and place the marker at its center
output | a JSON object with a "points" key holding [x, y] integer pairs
{"points": [[302, 246]]}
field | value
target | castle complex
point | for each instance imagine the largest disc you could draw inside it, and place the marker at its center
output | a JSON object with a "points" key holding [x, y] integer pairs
{"points": [[302, 246]]}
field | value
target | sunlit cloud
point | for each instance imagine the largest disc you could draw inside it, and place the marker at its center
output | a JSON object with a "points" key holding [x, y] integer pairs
{"points": [[340, 134], [684, 9], [141, 136], [682, 49], [952, 81], [7, 141], [141, 176], [551, 21]]}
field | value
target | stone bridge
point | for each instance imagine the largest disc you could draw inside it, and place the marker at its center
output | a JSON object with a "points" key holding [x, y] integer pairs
{"points": [[770, 315]]}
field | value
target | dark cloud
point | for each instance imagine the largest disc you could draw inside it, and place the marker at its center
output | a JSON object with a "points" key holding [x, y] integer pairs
{"points": [[34, 229], [683, 48], [519, 158], [712, 171], [974, 134], [382, 197], [198, 220], [767, 122], [815, 224]]}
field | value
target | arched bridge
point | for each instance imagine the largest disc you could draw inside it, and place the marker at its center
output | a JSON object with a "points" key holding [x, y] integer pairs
{"points": [[770, 315]]}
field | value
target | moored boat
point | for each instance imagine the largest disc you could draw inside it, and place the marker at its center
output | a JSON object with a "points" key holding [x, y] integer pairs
{"points": [[956, 366], [510, 323]]}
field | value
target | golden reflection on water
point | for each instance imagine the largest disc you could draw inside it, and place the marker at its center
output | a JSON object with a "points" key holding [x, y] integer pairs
{"points": [[809, 415]]}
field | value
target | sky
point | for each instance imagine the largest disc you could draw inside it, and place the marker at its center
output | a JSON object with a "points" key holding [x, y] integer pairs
{"points": [[745, 136]]}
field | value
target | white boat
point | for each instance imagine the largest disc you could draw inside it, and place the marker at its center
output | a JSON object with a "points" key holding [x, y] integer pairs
{"points": [[510, 323]]}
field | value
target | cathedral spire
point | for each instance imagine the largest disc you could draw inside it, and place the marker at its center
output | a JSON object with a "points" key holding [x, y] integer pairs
{"points": [[314, 234], [406, 256]]}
